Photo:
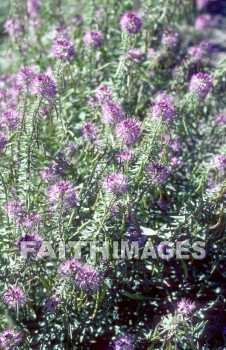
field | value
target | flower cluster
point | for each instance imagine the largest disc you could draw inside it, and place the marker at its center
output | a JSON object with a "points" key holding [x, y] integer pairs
{"points": [[14, 297], [200, 85], [116, 183], [63, 49], [163, 108], [130, 22]]}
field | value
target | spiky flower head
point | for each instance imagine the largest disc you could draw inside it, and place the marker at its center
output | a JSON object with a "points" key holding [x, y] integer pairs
{"points": [[163, 108], [3, 141], [125, 342], [128, 131], [93, 38], [26, 76], [89, 131], [200, 85], [116, 183], [112, 113], [157, 173], [130, 22], [63, 49], [103, 93], [203, 22], [14, 297], [44, 86], [10, 338], [185, 307], [63, 192], [170, 38], [29, 221], [9, 119]]}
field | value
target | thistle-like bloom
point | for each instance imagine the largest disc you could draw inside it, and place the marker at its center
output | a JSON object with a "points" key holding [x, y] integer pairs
{"points": [[219, 162], [157, 173], [30, 221], [185, 307], [112, 113], [26, 77], [63, 49], [93, 38], [89, 131], [116, 183], [128, 131], [9, 119], [52, 304], [33, 6], [220, 119], [200, 85], [69, 267], [203, 22], [164, 108], [125, 156], [33, 238], [103, 93], [125, 342], [134, 55], [9, 339], [44, 86], [3, 141], [13, 27], [196, 53], [130, 22], [170, 38], [14, 297], [15, 209], [63, 192]]}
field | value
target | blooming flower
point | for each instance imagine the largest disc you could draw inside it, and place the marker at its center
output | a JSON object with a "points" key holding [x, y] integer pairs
{"points": [[125, 342], [200, 85], [52, 303], [201, 4], [63, 49], [9, 119], [103, 93], [185, 307], [128, 131], [202, 22], [89, 131], [130, 22], [125, 156], [44, 86], [26, 76], [33, 6], [30, 237], [64, 192], [29, 221], [112, 113], [170, 38], [196, 53], [93, 38], [219, 162], [134, 55], [164, 108], [115, 183], [9, 339], [157, 173], [220, 119], [3, 141], [14, 297]]}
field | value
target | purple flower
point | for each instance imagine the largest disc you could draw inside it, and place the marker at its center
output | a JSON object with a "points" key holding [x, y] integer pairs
{"points": [[15, 209], [33, 6], [151, 53], [135, 234], [13, 27], [63, 49], [52, 303], [175, 145], [44, 86], [173, 161], [3, 141], [48, 174], [29, 221], [115, 183], [93, 38], [128, 131], [202, 22], [9, 339], [103, 93], [64, 192], [125, 342], [220, 119], [26, 76], [185, 307], [125, 156], [205, 46], [69, 267], [157, 173], [130, 22], [112, 113], [163, 108], [170, 38], [200, 85], [30, 238], [196, 53], [9, 119], [89, 131], [134, 55], [14, 297], [219, 162], [201, 4]]}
